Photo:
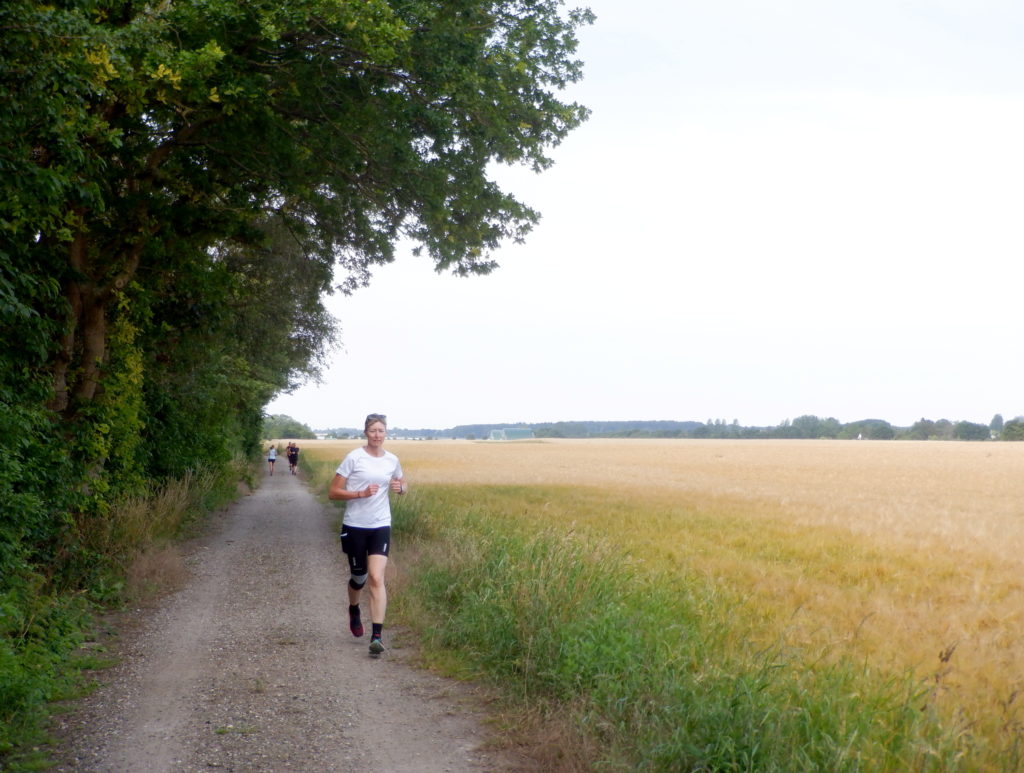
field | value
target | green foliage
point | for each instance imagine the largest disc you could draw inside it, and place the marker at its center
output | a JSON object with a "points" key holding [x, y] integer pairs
{"points": [[1013, 429], [42, 621], [38, 631], [966, 430], [943, 429], [809, 427], [180, 185], [825, 428], [868, 429], [922, 429], [280, 426]]}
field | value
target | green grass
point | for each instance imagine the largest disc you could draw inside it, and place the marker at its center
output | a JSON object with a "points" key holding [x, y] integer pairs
{"points": [[39, 631], [43, 623], [648, 669]]}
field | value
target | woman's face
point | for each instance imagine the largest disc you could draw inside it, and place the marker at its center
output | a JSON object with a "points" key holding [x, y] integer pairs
{"points": [[375, 434]]}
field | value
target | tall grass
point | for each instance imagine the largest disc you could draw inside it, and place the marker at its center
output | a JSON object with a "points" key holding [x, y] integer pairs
{"points": [[132, 548], [127, 552], [39, 629], [161, 515], [650, 669]]}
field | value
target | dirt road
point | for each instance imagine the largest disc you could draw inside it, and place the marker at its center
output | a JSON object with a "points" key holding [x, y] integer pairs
{"points": [[251, 667]]}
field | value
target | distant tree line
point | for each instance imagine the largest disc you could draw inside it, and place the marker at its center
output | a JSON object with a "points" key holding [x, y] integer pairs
{"points": [[802, 427], [280, 426]]}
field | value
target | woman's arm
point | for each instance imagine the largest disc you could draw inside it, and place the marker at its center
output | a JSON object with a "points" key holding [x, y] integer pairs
{"points": [[338, 490]]}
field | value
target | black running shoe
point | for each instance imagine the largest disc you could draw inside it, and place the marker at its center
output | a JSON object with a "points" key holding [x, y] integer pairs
{"points": [[376, 646], [355, 624]]}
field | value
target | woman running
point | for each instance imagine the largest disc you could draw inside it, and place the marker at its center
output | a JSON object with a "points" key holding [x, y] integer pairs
{"points": [[362, 481]]}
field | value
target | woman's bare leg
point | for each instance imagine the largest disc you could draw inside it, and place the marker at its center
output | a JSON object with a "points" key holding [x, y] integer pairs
{"points": [[376, 564]]}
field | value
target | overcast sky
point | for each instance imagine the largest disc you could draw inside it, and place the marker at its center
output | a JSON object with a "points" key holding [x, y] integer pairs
{"points": [[776, 209]]}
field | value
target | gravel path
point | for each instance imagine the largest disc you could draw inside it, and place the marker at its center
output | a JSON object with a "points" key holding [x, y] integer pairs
{"points": [[251, 667]]}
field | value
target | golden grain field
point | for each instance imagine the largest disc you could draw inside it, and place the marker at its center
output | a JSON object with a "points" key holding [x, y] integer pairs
{"points": [[892, 552]]}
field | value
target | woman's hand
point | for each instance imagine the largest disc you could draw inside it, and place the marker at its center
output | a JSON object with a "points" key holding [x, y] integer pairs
{"points": [[398, 485], [370, 490]]}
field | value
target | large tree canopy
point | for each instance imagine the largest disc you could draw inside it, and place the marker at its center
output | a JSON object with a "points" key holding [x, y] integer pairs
{"points": [[181, 181], [139, 135]]}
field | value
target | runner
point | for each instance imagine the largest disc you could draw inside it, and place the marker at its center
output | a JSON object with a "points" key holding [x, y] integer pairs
{"points": [[271, 458], [362, 481]]}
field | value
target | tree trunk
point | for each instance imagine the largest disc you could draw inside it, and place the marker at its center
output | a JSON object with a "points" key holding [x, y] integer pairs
{"points": [[66, 354], [78, 364], [93, 324]]}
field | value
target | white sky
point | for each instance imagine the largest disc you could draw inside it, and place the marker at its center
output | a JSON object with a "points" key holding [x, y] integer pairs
{"points": [[776, 209]]}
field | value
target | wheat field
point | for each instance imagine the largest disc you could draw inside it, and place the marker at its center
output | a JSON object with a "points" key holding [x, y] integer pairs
{"points": [[908, 555]]}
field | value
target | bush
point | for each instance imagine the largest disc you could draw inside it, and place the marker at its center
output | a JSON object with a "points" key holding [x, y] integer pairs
{"points": [[38, 631], [43, 618], [1013, 430]]}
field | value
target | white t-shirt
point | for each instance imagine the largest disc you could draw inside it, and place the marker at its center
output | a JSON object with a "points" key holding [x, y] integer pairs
{"points": [[360, 469]]}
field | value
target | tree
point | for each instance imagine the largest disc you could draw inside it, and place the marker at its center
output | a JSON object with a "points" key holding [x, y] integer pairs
{"points": [[880, 430], [1014, 429], [809, 426], [281, 426], [966, 430], [158, 162], [140, 139], [922, 429], [180, 182], [701, 431], [996, 425], [870, 429]]}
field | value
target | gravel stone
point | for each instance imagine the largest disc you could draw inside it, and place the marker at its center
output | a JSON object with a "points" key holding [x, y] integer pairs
{"points": [[251, 667]]}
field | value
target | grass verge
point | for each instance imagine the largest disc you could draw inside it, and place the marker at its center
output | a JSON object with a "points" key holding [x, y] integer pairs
{"points": [[127, 555], [641, 668]]}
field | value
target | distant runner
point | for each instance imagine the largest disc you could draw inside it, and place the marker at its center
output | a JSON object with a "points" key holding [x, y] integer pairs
{"points": [[293, 457], [362, 481], [271, 458]]}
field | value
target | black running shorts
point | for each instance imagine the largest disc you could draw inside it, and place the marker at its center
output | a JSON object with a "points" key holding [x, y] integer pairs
{"points": [[359, 543]]}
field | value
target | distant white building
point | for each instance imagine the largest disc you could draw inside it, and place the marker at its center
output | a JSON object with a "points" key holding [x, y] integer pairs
{"points": [[512, 433]]}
